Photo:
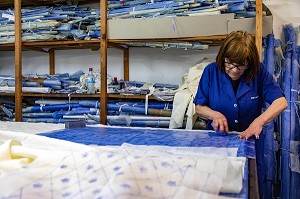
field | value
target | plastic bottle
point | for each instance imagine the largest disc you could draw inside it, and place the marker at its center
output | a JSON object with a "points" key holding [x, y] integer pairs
{"points": [[116, 81], [90, 82]]}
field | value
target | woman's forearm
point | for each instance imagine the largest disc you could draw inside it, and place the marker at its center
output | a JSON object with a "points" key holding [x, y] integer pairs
{"points": [[273, 111], [204, 112]]}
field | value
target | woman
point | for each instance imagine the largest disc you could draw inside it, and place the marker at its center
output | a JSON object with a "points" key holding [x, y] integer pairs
{"points": [[232, 90]]}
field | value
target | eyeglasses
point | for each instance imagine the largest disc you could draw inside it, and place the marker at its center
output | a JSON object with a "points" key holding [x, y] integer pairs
{"points": [[231, 66]]}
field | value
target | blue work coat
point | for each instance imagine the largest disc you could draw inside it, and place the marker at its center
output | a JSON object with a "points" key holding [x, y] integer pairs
{"points": [[215, 90]]}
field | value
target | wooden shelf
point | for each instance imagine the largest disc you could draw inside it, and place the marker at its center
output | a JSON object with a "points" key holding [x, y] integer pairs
{"points": [[7, 94], [200, 38], [7, 47], [129, 96], [61, 45], [59, 95], [208, 40], [10, 3], [44, 46]]}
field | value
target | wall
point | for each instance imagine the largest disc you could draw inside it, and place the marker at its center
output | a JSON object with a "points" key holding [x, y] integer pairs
{"points": [[284, 12], [146, 64]]}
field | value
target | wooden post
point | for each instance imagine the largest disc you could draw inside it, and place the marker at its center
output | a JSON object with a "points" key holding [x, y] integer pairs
{"points": [[126, 64], [258, 28], [253, 191], [51, 62], [18, 61], [103, 62]]}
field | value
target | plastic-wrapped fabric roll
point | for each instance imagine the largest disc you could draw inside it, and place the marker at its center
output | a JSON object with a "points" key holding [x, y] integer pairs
{"points": [[160, 112], [286, 116], [82, 111], [266, 174], [26, 89], [56, 107], [295, 128], [37, 115], [156, 105]]}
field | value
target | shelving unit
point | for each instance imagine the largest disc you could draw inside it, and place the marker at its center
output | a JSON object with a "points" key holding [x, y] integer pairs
{"points": [[51, 47], [103, 43], [216, 40]]}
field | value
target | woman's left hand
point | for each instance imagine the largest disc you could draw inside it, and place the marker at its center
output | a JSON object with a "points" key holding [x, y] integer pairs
{"points": [[255, 129]]}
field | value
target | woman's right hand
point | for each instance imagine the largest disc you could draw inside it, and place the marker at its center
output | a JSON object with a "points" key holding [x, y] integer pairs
{"points": [[220, 122]]}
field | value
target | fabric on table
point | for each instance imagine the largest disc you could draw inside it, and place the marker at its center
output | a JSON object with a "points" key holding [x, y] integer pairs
{"points": [[116, 136], [233, 168], [154, 150], [8, 159], [29, 127], [64, 169], [41, 142]]}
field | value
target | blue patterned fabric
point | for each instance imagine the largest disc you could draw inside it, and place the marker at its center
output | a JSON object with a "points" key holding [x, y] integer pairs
{"points": [[116, 136]]}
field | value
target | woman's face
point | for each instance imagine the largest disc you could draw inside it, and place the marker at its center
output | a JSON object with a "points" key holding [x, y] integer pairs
{"points": [[234, 70]]}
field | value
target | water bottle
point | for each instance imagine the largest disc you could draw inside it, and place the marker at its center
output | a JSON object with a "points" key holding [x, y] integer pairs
{"points": [[90, 82]]}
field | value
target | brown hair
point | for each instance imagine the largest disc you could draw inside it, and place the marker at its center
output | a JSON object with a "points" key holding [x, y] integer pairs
{"points": [[239, 47]]}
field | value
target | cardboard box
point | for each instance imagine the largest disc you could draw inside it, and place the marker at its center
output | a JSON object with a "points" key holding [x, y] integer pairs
{"points": [[169, 27], [178, 27], [248, 24]]}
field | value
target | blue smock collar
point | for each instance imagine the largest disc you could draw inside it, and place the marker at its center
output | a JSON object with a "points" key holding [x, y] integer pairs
{"points": [[227, 86]]}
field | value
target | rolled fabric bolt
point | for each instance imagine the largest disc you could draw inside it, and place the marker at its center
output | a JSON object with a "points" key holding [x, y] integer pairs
{"points": [[160, 112], [7, 112]]}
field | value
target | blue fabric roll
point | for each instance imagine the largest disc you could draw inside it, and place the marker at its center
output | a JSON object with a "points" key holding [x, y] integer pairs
{"points": [[268, 171], [37, 115], [56, 107], [118, 105], [286, 116], [47, 120], [295, 131]]}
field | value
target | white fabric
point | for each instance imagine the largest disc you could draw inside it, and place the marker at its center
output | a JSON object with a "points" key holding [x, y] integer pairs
{"points": [[53, 168], [32, 128], [230, 169], [183, 99], [155, 150], [26, 89], [41, 142]]}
